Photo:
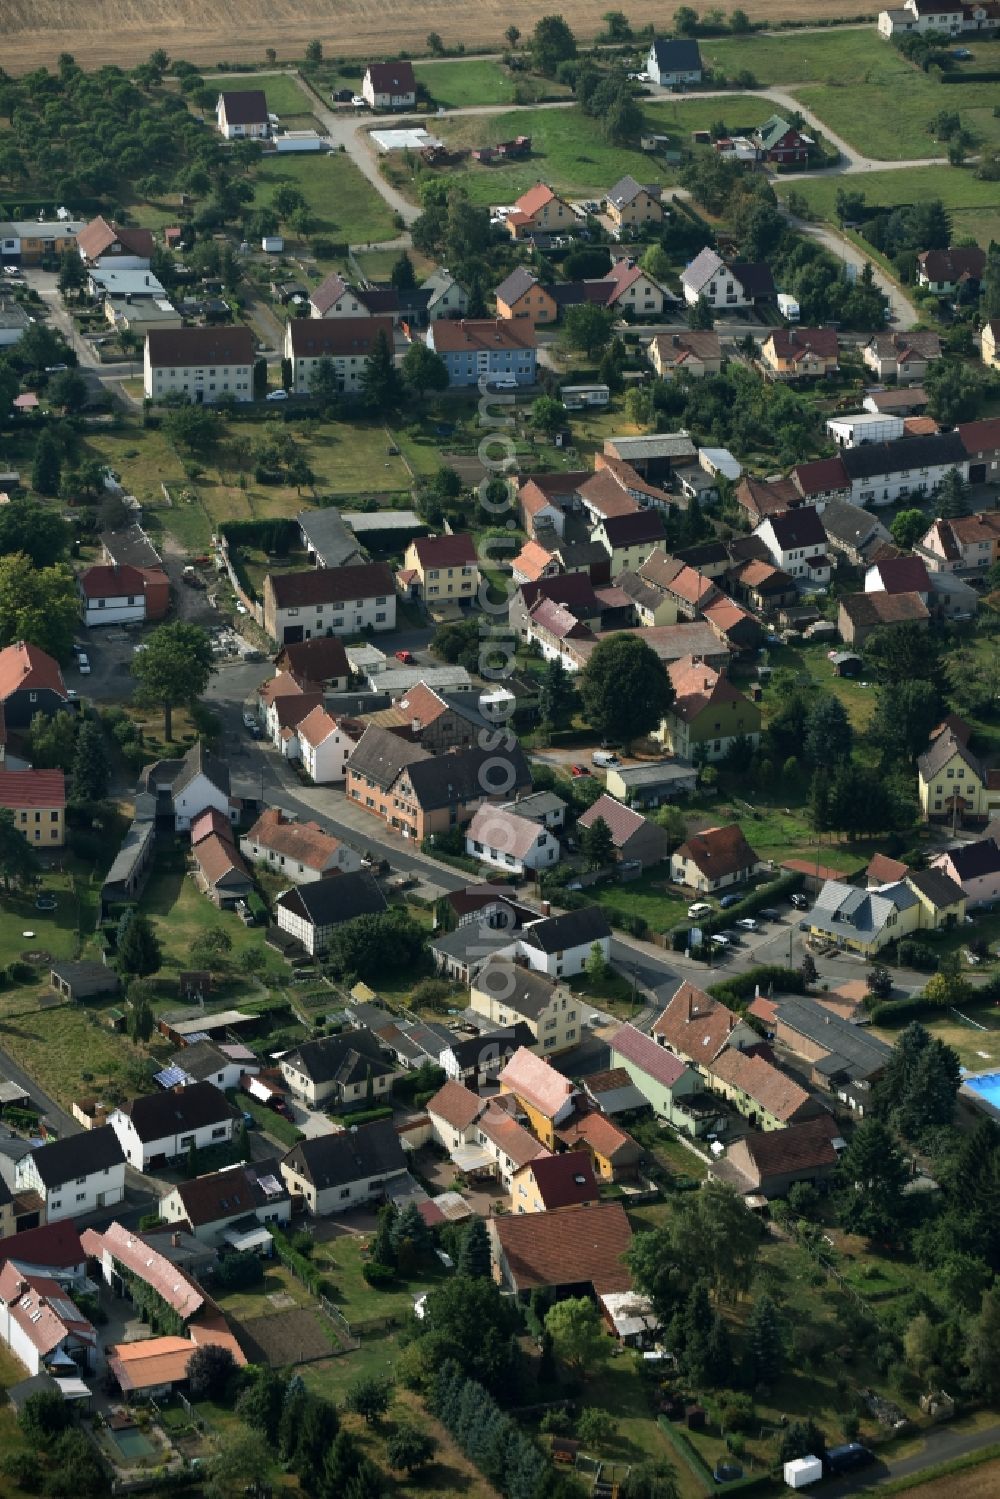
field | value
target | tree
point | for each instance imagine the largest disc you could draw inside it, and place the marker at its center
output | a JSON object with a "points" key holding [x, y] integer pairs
{"points": [[596, 966], [40, 605], [807, 969], [919, 1086], [468, 1320], [595, 1427], [91, 766], [209, 1370], [578, 1336], [547, 414], [512, 36], [53, 740], [72, 274], [685, 21], [765, 1344], [598, 844], [905, 713], [650, 1480], [376, 946], [19, 863], [43, 1416], [141, 1021], [196, 429], [47, 464], [314, 52], [829, 736], [953, 496], [68, 391], [901, 653], [238, 1460], [588, 327], [624, 688], [474, 1258], [409, 1449], [802, 1438], [174, 668], [423, 370], [210, 946], [402, 275], [872, 1175], [907, 527], [36, 530], [739, 22], [982, 1348], [381, 384], [324, 382], [139, 950], [369, 1397], [552, 42], [700, 315], [556, 695], [878, 981]]}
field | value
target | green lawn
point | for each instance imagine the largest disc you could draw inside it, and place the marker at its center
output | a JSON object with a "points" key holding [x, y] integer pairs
{"points": [[180, 914], [652, 896], [958, 189], [341, 1259], [281, 90], [245, 1305], [457, 84], [888, 117], [342, 201], [978, 1049], [844, 55], [55, 932], [679, 116], [71, 1056]]}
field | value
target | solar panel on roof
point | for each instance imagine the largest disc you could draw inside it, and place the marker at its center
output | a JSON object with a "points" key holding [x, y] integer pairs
{"points": [[171, 1076], [194, 1036], [269, 1185]]}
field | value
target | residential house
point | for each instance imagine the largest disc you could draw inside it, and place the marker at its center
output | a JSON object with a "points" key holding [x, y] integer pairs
{"points": [[726, 285], [861, 613], [695, 353], [674, 1091], [708, 715], [321, 661], [439, 721], [898, 575], [502, 1142], [302, 851], [158, 1127], [75, 1176], [477, 1059], [285, 705], [580, 1252], [553, 1184], [674, 62], [490, 349], [801, 353], [311, 912], [904, 357], [334, 1173], [220, 872], [764, 587], [507, 992], [561, 945], [634, 291], [715, 859], [942, 899], [796, 542], [969, 543], [347, 342], [981, 441], [543, 807], [445, 568], [629, 539], [760, 498], [781, 143], [222, 1208], [989, 344], [123, 595], [946, 18], [42, 1325], [845, 1058], [959, 268], [30, 682], [864, 921], [768, 1097], [223, 1064], [882, 473], [389, 85], [103, 243], [652, 783], [852, 532], [454, 1112], [447, 298], [336, 298], [184, 788], [534, 562], [374, 766], [546, 1097], [953, 784], [243, 115], [329, 542], [539, 211], [522, 296], [500, 837], [632, 204], [634, 838], [882, 870], [201, 364], [36, 800], [975, 867], [698, 1028], [614, 1155], [769, 1165], [329, 601], [341, 1072], [324, 747]]}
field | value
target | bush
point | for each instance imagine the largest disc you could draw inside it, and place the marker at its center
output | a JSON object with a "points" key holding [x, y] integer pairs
{"points": [[743, 986], [378, 1275], [369, 1116], [25, 1469], [239, 1272], [258, 909], [916, 955]]}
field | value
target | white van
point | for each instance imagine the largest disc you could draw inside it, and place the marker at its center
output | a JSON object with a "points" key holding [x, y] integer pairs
{"points": [[700, 908], [605, 759]]}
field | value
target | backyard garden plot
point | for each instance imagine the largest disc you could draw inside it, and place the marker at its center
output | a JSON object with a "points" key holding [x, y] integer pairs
{"points": [[296, 1335], [71, 1055]]}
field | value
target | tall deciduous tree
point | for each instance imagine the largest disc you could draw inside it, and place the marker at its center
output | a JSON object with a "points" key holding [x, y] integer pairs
{"points": [[905, 713], [40, 605], [36, 530], [423, 370], [175, 667], [577, 1334], [587, 327], [624, 688], [552, 42], [19, 863]]}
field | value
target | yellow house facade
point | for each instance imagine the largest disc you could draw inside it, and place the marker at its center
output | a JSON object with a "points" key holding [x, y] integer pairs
{"points": [[504, 993], [952, 784], [990, 344]]}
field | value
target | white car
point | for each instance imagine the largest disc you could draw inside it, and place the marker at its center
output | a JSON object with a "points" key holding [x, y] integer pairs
{"points": [[249, 721], [276, 395], [700, 908], [358, 101], [747, 923], [83, 662], [718, 940]]}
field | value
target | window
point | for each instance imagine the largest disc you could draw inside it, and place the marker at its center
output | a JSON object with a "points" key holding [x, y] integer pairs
{"points": [[219, 1133], [345, 1192]]}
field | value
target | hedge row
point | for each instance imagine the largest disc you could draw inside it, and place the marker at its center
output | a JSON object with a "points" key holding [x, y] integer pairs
{"points": [[914, 1006], [366, 1116], [297, 1263], [742, 986], [983, 77], [278, 534], [756, 900]]}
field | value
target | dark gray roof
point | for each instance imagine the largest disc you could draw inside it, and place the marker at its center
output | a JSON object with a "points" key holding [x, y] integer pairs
{"points": [[939, 888], [677, 55], [572, 929], [88, 974], [849, 523], [132, 851], [156, 1115], [974, 860], [515, 285], [797, 528], [852, 1048], [627, 189], [332, 541], [343, 1059], [492, 1049], [755, 278], [130, 547], [201, 761], [940, 751], [78, 1155], [337, 898], [519, 988], [904, 453], [353, 1155], [473, 943], [201, 1060], [454, 778], [381, 755]]}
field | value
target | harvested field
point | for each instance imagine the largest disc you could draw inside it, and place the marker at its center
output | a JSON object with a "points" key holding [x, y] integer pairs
{"points": [[974, 1483], [210, 31], [298, 1336]]}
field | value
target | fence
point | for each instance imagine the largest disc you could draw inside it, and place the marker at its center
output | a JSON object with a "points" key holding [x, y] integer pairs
{"points": [[351, 1342]]}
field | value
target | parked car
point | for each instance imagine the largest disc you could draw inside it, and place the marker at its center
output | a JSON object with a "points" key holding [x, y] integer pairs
{"points": [[768, 914], [579, 770], [700, 908], [747, 924], [276, 395], [800, 901], [244, 912], [604, 759], [719, 940], [849, 1458], [728, 901], [406, 657], [249, 721], [83, 662]]}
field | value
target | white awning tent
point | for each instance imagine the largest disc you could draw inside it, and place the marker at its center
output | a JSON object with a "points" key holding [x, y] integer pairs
{"points": [[472, 1158], [246, 1240], [73, 1389], [404, 140]]}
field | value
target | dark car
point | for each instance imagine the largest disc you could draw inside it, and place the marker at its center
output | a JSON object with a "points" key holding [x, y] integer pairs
{"points": [[768, 915], [728, 901], [849, 1458]]}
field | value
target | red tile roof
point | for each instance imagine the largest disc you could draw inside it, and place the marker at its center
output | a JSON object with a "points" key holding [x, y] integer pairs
{"points": [[694, 1024], [328, 585], [643, 1052], [535, 198], [24, 667], [57, 1246], [886, 871], [719, 851], [112, 582], [903, 575], [599, 1134], [170, 348], [583, 1246], [458, 550], [305, 842], [137, 1255], [980, 437], [215, 858], [517, 1143], [392, 77], [475, 335], [210, 821], [763, 1083], [532, 561], [696, 686], [621, 820], [337, 337], [32, 788], [456, 1105]]}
